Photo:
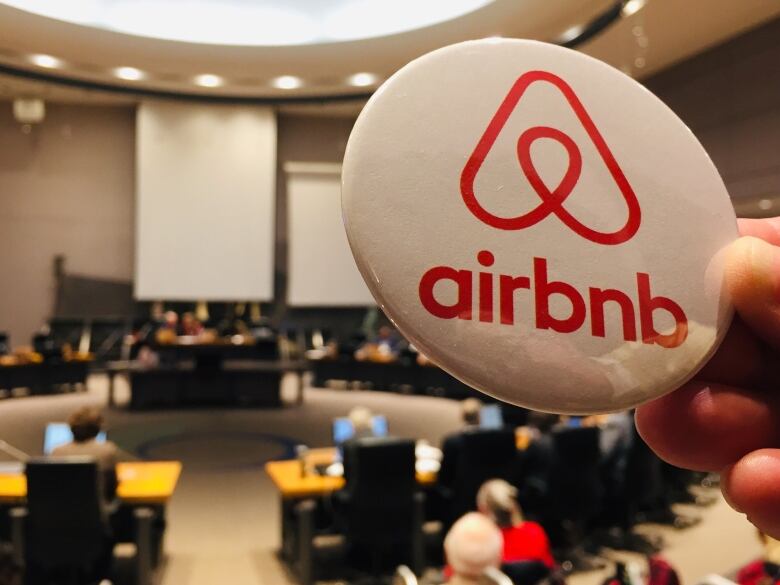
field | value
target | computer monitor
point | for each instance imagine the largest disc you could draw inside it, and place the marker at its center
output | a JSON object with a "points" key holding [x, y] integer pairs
{"points": [[59, 434], [343, 429], [490, 417]]}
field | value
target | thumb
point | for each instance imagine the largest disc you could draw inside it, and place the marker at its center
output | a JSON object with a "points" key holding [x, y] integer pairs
{"points": [[753, 279]]}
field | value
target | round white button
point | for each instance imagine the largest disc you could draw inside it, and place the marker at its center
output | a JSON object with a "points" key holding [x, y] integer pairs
{"points": [[539, 225]]}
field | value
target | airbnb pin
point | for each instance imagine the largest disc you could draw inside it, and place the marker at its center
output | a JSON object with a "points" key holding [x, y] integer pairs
{"points": [[540, 226]]}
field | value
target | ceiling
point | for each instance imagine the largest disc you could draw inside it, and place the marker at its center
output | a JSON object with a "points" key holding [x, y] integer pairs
{"points": [[659, 34], [253, 22]]}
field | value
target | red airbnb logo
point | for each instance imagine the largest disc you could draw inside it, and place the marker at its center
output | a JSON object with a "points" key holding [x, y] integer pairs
{"points": [[552, 199]]}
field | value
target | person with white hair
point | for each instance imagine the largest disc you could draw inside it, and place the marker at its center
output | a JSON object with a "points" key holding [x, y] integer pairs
{"points": [[472, 546], [523, 540], [362, 421]]}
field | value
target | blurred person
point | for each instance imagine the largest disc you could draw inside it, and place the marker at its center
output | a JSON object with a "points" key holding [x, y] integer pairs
{"points": [[147, 357], [86, 423], [470, 410], [385, 347], [362, 421], [452, 444], [171, 320], [190, 325], [537, 461], [765, 570], [523, 540], [388, 339], [472, 545]]}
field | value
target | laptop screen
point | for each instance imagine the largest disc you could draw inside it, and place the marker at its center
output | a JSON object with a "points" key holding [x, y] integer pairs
{"points": [[343, 430], [490, 417], [59, 434]]}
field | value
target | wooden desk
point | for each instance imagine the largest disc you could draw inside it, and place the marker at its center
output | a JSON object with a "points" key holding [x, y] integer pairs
{"points": [[286, 476], [293, 487], [42, 378], [140, 482]]}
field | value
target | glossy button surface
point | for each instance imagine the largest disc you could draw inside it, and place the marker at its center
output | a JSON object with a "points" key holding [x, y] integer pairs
{"points": [[539, 225]]}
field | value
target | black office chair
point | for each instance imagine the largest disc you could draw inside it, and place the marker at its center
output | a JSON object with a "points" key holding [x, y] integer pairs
{"points": [[66, 538], [633, 484], [575, 492], [379, 511], [48, 346], [5, 344], [63, 534], [480, 455], [526, 572]]}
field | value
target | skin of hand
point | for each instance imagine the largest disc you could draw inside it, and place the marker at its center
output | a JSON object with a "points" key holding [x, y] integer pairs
{"points": [[727, 419]]}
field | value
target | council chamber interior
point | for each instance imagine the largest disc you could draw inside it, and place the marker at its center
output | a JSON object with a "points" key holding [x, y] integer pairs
{"points": [[196, 385]]}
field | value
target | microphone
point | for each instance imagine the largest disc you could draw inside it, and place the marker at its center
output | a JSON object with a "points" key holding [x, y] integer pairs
{"points": [[17, 454]]}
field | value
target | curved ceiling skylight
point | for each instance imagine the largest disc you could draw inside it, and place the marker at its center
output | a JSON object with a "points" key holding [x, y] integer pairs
{"points": [[253, 22]]}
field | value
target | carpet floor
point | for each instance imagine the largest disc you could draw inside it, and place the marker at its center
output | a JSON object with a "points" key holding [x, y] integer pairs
{"points": [[224, 517]]}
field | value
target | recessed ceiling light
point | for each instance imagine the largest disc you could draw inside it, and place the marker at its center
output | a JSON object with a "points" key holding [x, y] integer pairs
{"points": [[129, 73], [632, 7], [639, 62], [765, 204], [287, 82], [209, 80], [46, 61], [363, 79], [571, 33]]}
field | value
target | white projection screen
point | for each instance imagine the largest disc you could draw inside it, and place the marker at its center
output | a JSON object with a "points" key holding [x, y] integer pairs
{"points": [[205, 191], [321, 270]]}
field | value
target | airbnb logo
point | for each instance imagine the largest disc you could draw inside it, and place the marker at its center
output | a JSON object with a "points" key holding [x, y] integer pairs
{"points": [[590, 304], [552, 200], [541, 289]]}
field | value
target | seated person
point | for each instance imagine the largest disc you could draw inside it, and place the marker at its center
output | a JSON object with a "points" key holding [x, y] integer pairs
{"points": [[469, 412], [765, 570], [190, 325], [523, 540], [385, 347], [147, 357], [538, 459], [85, 424], [388, 337], [472, 545], [362, 420]]}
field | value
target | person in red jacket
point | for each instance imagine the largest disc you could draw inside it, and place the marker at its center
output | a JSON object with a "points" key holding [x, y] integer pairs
{"points": [[763, 571], [523, 540]]}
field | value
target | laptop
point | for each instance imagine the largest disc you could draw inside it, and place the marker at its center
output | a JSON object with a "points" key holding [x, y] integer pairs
{"points": [[343, 429], [57, 434], [490, 417]]}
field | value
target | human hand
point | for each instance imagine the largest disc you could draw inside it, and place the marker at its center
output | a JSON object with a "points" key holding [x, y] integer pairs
{"points": [[727, 418]]}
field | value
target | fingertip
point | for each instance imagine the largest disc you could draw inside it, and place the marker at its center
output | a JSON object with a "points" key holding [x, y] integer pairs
{"points": [[751, 487]]}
